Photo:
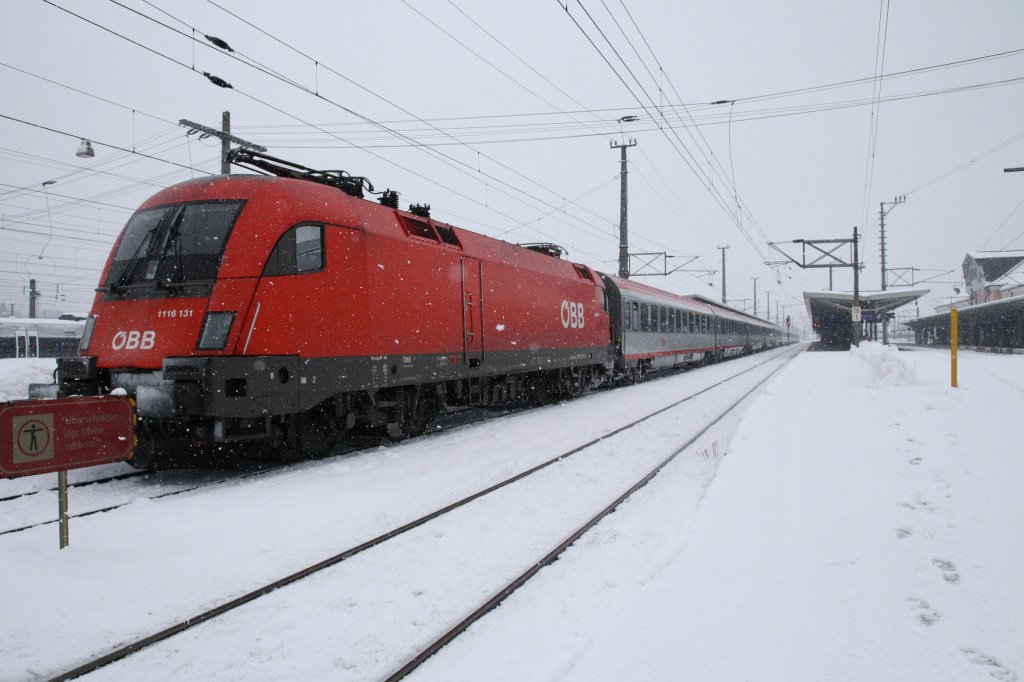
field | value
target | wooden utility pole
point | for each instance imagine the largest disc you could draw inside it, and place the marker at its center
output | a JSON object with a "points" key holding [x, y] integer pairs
{"points": [[33, 295], [225, 143], [723, 248], [623, 212]]}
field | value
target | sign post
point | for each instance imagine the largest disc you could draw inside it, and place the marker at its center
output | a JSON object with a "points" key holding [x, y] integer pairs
{"points": [[44, 436], [62, 507]]}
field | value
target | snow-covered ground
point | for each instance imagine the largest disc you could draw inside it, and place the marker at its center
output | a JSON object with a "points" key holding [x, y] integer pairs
{"points": [[862, 521]]}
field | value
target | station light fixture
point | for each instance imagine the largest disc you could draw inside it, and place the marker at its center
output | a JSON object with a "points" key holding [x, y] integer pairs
{"points": [[85, 150]]}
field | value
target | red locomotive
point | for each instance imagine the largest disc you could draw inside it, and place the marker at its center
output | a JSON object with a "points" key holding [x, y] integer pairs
{"points": [[290, 310]]}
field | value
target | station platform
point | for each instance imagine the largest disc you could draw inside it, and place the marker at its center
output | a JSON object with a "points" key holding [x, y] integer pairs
{"points": [[864, 525]]}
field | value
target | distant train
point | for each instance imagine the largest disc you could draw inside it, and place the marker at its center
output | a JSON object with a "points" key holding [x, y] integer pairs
{"points": [[289, 311], [31, 337]]}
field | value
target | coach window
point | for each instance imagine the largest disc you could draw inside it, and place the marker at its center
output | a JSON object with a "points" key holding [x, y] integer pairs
{"points": [[663, 314], [299, 250], [644, 317], [636, 316], [679, 321], [628, 322], [671, 320]]}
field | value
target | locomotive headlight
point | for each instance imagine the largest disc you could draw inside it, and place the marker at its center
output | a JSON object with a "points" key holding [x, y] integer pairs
{"points": [[216, 327], [87, 334]]}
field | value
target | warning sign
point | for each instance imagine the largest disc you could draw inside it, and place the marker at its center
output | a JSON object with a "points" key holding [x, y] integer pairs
{"points": [[40, 436]]}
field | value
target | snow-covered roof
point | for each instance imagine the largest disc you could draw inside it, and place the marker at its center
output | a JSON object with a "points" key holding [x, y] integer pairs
{"points": [[1014, 277], [994, 264]]}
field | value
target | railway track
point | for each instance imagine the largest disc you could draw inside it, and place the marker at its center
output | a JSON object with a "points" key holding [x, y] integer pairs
{"points": [[133, 647], [102, 505], [129, 496], [76, 484], [189, 485]]}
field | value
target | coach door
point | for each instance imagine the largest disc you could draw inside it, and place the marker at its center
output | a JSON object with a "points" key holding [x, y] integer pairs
{"points": [[472, 312], [26, 343]]}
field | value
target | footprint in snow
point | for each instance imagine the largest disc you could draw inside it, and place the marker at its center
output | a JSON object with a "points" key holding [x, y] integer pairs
{"points": [[948, 569], [925, 613], [998, 670], [919, 504]]}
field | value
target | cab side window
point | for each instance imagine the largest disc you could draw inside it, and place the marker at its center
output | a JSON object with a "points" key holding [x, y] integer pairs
{"points": [[300, 249]]}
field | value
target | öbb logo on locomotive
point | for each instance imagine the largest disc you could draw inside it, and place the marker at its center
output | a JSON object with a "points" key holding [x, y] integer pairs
{"points": [[572, 315], [133, 340]]}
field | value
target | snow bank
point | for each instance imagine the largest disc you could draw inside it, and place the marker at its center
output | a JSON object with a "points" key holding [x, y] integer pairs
{"points": [[17, 373], [887, 366]]}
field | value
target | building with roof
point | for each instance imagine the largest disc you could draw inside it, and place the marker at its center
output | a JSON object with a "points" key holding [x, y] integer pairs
{"points": [[993, 275], [992, 314]]}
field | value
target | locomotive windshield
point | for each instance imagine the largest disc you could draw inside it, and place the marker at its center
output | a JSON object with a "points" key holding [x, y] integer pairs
{"points": [[171, 246]]}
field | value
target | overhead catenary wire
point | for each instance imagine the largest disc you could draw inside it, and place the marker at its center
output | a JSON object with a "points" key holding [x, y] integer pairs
{"points": [[266, 132], [702, 144], [383, 126], [269, 72], [869, 170], [680, 149], [490, 64], [444, 158]]}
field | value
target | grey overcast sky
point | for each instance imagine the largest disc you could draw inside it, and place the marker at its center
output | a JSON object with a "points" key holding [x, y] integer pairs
{"points": [[500, 116]]}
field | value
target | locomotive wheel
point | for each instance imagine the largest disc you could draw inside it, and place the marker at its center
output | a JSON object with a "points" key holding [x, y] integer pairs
{"points": [[419, 407], [155, 449], [310, 435], [424, 407], [542, 390]]}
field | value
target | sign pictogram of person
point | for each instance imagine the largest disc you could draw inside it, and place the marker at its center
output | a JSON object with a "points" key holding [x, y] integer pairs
{"points": [[33, 438]]}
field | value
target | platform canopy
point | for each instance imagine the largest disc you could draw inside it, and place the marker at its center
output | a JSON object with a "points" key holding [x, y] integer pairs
{"points": [[996, 324], [874, 305]]}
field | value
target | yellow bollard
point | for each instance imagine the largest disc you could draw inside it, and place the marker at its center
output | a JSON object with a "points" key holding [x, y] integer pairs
{"points": [[954, 338]]}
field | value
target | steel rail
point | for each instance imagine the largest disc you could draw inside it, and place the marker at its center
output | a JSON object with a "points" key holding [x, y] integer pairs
{"points": [[78, 484]]}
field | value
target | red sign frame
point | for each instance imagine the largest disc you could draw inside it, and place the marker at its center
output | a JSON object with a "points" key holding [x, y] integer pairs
{"points": [[43, 436]]}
